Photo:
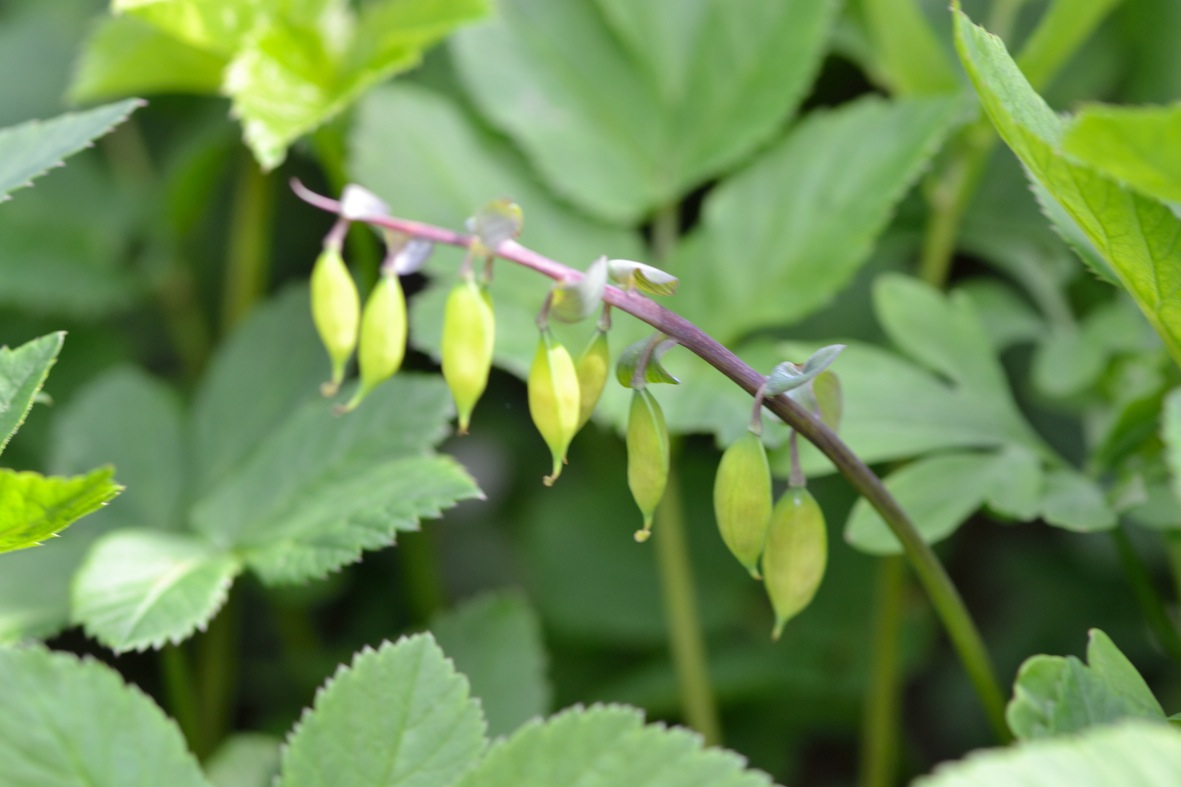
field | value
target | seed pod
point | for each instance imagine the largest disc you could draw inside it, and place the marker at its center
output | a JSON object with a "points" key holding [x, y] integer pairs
{"points": [[742, 499], [335, 310], [794, 555], [469, 331], [382, 344], [647, 456], [553, 399], [592, 368]]}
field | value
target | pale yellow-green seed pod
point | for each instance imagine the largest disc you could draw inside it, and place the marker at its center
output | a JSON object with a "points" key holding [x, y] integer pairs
{"points": [[742, 500], [469, 333], [795, 555], [336, 310], [593, 367], [382, 343], [647, 456], [553, 399]]}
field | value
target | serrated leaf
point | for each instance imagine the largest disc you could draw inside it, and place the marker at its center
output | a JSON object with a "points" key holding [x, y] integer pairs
{"points": [[802, 218], [1136, 145], [321, 488], [141, 589], [28, 150], [22, 373], [604, 746], [72, 722], [400, 715], [247, 759], [34, 507], [715, 81], [1056, 695], [1069, 230]]}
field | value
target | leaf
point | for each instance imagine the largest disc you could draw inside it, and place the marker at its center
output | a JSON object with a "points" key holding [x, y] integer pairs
{"points": [[1136, 145], [495, 641], [247, 759], [604, 746], [714, 82], [1056, 695], [199, 23], [1147, 755], [321, 488], [34, 507], [28, 150], [140, 589], [71, 722], [911, 56], [1064, 26], [1170, 432], [398, 715], [1139, 237], [802, 218], [1075, 502], [22, 373], [1069, 230], [789, 376]]}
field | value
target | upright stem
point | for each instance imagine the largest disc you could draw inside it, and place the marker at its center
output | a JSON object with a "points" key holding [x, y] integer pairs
{"points": [[250, 243], [217, 675], [880, 730], [1147, 596], [180, 689]]}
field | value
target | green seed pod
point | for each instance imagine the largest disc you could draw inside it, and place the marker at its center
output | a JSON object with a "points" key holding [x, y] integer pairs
{"points": [[469, 331], [826, 389], [795, 554], [647, 456], [742, 499], [336, 309], [382, 344], [553, 399], [593, 367]]}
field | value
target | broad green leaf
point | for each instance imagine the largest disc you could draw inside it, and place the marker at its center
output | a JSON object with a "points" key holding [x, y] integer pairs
{"points": [[28, 150], [908, 52], [218, 27], [248, 759], [1059, 33], [22, 373], [803, 217], [1075, 502], [1146, 755], [605, 746], [1170, 432], [141, 589], [321, 488], [1069, 230], [495, 641], [1007, 318], [400, 715], [34, 507], [1017, 484], [1056, 695], [1065, 363], [715, 81], [68, 721], [1138, 236], [1137, 145], [44, 34]]}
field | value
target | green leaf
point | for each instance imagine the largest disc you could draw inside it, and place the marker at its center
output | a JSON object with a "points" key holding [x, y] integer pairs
{"points": [[802, 218], [1147, 755], [495, 641], [1058, 35], [198, 23], [140, 589], [789, 376], [1069, 230], [28, 150], [321, 488], [1075, 502], [247, 759], [22, 373], [714, 82], [34, 507], [69, 721], [1170, 432], [1137, 235], [400, 715], [909, 54], [603, 746], [1056, 695], [1136, 145]]}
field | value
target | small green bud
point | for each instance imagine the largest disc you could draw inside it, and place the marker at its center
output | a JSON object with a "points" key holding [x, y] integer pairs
{"points": [[469, 332], [592, 368], [795, 554], [382, 344], [335, 310], [742, 499], [647, 456], [553, 399]]}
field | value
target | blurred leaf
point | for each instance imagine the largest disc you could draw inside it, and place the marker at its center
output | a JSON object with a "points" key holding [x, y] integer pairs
{"points": [[714, 82], [34, 507], [789, 376], [22, 373], [495, 641], [70, 721], [1007, 318], [28, 150], [1063, 27], [43, 34], [1056, 695], [1170, 432], [1075, 502], [248, 759], [1136, 145], [603, 746], [140, 589], [1065, 363], [398, 715], [214, 26], [909, 53]]}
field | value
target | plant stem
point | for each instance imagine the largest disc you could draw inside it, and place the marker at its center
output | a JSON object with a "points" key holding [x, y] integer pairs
{"points": [[420, 575], [217, 675], [943, 594], [880, 733], [250, 243], [948, 195], [180, 689], [1147, 596]]}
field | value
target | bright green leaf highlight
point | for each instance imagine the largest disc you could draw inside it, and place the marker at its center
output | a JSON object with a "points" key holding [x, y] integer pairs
{"points": [[67, 721], [399, 715], [22, 373], [1137, 145], [34, 507]]}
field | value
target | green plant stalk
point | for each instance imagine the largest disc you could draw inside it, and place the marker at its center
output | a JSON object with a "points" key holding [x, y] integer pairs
{"points": [[217, 676], [880, 725], [180, 690], [248, 253], [420, 575], [1147, 596], [948, 604]]}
